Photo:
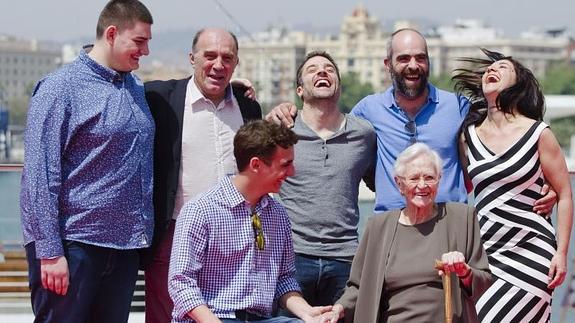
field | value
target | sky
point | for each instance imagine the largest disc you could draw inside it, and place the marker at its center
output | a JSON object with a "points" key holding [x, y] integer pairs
{"points": [[62, 20]]}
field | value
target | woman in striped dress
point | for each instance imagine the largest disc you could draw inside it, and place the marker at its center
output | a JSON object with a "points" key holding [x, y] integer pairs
{"points": [[509, 153]]}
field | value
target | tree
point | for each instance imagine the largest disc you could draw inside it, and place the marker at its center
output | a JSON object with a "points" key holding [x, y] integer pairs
{"points": [[443, 81], [352, 90], [559, 79], [18, 108], [563, 129]]}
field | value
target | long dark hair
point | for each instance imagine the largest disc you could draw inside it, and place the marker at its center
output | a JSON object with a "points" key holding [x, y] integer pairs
{"points": [[525, 95]]}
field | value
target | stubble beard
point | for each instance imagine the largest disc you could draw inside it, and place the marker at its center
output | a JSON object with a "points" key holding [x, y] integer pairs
{"points": [[409, 92]]}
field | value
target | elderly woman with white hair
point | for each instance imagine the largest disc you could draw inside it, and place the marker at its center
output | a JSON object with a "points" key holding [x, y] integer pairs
{"points": [[393, 278]]}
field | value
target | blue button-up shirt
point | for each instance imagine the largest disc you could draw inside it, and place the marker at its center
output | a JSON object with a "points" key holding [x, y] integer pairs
{"points": [[215, 261], [88, 160], [437, 125]]}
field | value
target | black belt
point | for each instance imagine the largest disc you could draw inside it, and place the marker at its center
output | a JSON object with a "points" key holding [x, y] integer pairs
{"points": [[243, 315]]}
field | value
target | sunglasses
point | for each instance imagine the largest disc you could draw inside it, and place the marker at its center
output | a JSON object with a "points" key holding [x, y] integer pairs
{"points": [[258, 230], [411, 128]]}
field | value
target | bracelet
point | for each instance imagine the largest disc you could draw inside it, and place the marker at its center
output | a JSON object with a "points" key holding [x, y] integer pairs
{"points": [[466, 275]]}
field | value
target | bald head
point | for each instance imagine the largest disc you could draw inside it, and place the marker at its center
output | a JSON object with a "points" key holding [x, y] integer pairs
{"points": [[213, 31], [408, 64], [406, 38], [214, 57]]}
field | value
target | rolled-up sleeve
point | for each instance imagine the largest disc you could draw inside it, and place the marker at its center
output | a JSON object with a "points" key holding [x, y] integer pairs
{"points": [[187, 257], [286, 276], [45, 141]]}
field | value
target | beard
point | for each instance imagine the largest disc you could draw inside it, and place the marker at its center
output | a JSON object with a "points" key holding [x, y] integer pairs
{"points": [[410, 92]]}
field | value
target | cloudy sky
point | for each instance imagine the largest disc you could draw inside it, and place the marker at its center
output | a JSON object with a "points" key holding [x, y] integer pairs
{"points": [[70, 19]]}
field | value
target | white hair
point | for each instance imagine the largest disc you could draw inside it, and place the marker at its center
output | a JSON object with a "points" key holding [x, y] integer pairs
{"points": [[416, 151]]}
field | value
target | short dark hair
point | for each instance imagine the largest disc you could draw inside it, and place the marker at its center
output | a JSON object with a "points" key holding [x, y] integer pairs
{"points": [[260, 139], [122, 14], [525, 95], [390, 41], [201, 31], [310, 55]]}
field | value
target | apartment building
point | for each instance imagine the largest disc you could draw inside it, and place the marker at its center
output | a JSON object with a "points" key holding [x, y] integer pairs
{"points": [[270, 58]]}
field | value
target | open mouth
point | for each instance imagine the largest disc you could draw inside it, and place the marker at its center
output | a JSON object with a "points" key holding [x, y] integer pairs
{"points": [[216, 78], [412, 77], [492, 78], [322, 83]]}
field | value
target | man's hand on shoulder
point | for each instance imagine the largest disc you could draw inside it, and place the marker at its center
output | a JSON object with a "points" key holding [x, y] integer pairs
{"points": [[283, 114], [250, 92], [55, 275]]}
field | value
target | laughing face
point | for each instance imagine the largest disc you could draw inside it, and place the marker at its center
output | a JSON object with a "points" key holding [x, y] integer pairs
{"points": [[419, 184], [409, 64], [319, 80], [128, 45], [498, 77], [215, 58], [275, 172]]}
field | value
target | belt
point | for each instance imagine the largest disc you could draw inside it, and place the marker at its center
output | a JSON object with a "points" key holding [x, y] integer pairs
{"points": [[246, 316]]}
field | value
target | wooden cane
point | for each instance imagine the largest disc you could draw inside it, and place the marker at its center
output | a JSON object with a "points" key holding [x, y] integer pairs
{"points": [[446, 291]]}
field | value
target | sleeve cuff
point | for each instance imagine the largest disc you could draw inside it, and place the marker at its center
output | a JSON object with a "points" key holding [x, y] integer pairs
{"points": [[46, 249]]}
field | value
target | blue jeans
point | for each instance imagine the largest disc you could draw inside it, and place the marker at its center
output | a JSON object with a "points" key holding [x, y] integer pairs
{"points": [[102, 282], [321, 280]]}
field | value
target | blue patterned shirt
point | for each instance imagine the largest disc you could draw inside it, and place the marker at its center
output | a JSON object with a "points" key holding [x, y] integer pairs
{"points": [[88, 164], [216, 263]]}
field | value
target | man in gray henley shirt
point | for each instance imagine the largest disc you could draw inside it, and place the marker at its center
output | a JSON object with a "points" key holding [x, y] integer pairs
{"points": [[334, 152]]}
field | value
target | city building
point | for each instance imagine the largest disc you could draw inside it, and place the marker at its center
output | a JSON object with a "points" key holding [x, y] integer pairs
{"points": [[270, 58], [23, 63]]}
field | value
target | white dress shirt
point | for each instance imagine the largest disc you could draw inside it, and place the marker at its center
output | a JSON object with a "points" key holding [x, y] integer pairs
{"points": [[207, 143]]}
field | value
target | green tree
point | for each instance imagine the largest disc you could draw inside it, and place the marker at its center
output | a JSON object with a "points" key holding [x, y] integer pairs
{"points": [[18, 108], [352, 90], [563, 129], [443, 81], [559, 79]]}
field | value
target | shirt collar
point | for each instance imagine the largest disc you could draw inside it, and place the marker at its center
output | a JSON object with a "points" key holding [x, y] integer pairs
{"points": [[105, 72], [389, 99], [234, 198], [195, 94]]}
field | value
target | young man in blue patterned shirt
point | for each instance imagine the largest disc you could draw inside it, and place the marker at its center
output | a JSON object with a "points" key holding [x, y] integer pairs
{"points": [[232, 257], [86, 199]]}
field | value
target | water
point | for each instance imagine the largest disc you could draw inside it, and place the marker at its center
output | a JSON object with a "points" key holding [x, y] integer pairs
{"points": [[10, 230], [9, 207]]}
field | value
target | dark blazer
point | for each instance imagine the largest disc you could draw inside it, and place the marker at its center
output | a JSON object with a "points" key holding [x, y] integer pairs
{"points": [[364, 290], [166, 100]]}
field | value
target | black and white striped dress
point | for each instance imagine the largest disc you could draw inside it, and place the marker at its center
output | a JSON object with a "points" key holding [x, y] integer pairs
{"points": [[519, 242]]}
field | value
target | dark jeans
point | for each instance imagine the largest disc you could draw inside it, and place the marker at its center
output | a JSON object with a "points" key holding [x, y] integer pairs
{"points": [[321, 280], [102, 282]]}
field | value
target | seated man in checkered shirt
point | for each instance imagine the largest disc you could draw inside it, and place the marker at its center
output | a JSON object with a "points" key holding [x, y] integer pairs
{"points": [[232, 258]]}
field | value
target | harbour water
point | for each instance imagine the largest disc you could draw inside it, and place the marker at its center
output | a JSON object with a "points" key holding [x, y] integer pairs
{"points": [[11, 236]]}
